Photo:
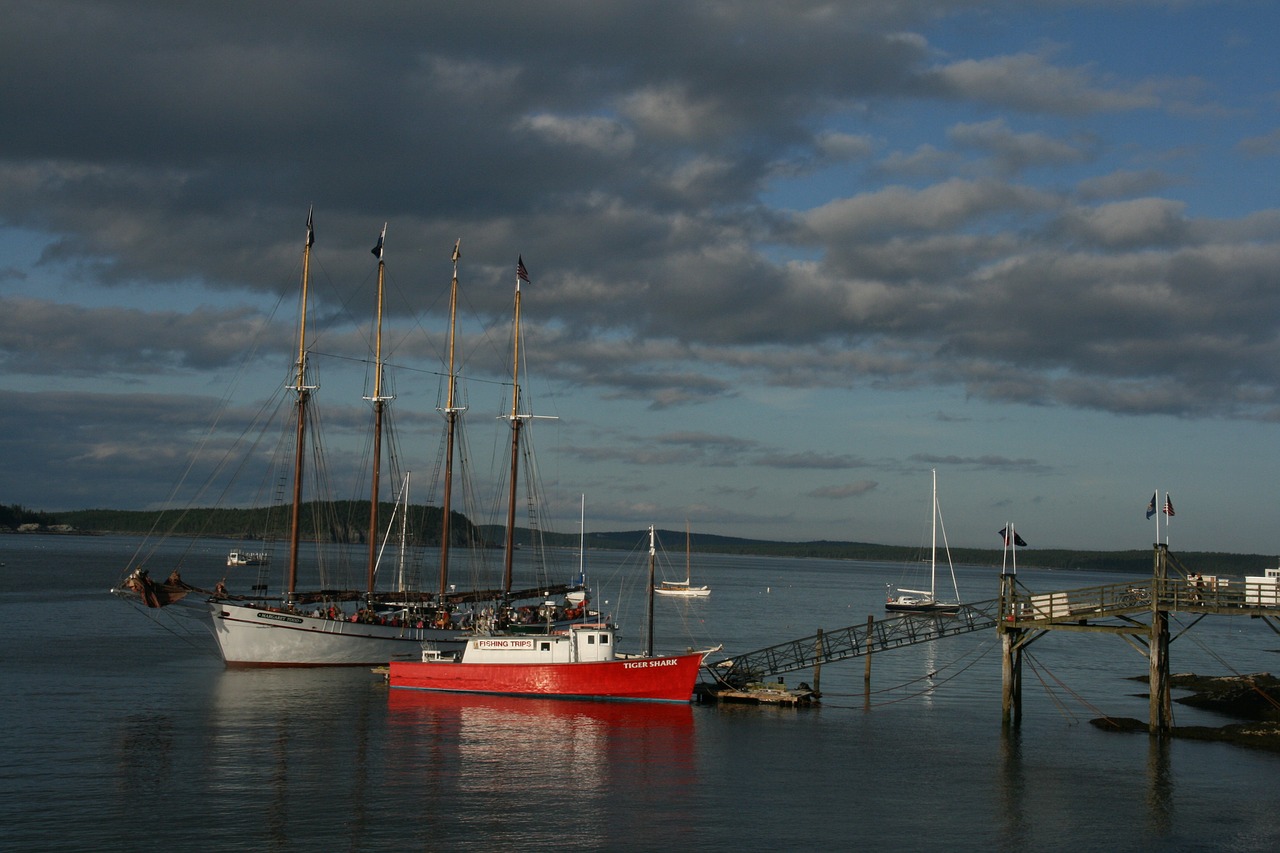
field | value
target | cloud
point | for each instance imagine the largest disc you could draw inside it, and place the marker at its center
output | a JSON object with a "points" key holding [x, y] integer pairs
{"points": [[39, 337], [849, 490], [719, 202], [590, 133], [809, 461], [985, 462], [1027, 81], [1265, 145], [951, 204], [1016, 152]]}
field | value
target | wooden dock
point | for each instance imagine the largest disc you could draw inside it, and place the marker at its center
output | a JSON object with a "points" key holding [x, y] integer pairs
{"points": [[1137, 611]]}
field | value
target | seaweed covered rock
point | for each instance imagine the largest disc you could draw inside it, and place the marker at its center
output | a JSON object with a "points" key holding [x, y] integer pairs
{"points": [[1254, 698], [1245, 697]]}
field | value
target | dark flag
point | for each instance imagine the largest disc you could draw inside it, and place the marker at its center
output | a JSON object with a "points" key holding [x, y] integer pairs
{"points": [[1168, 506], [1017, 540], [1151, 507], [311, 231], [521, 273], [377, 250]]}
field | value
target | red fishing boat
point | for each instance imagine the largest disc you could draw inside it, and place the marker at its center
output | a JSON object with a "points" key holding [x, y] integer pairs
{"points": [[577, 663]]}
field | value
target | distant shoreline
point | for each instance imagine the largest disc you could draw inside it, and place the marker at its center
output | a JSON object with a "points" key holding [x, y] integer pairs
{"points": [[1134, 561]]}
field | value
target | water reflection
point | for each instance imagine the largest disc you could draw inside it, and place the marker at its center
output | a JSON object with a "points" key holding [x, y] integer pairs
{"points": [[1159, 786], [280, 740], [1012, 788], [506, 763]]}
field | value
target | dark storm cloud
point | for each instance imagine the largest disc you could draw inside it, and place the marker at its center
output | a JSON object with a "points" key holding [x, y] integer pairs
{"points": [[64, 450], [38, 337], [624, 148]]}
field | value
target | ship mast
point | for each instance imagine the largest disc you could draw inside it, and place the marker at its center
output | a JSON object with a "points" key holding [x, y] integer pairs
{"points": [[516, 423], [379, 403], [451, 420], [303, 396]]}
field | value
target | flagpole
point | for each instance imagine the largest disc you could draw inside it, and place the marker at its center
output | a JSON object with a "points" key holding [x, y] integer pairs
{"points": [[1013, 543], [1004, 553]]}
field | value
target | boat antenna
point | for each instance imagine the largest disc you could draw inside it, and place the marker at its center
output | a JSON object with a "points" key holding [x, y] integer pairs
{"points": [[582, 541], [652, 559]]}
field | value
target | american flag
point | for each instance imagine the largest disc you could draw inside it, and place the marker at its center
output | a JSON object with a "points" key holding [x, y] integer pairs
{"points": [[521, 272], [1168, 506]]}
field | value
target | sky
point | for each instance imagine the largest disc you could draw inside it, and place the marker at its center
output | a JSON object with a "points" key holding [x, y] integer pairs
{"points": [[786, 258]]}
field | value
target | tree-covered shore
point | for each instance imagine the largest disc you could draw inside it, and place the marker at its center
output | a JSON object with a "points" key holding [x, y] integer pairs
{"points": [[346, 521]]}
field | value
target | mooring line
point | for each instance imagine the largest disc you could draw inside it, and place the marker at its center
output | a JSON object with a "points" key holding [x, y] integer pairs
{"points": [[985, 648], [1037, 667], [1253, 685]]}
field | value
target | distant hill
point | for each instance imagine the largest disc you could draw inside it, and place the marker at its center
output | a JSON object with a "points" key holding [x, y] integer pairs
{"points": [[1138, 563], [346, 521], [336, 521]]}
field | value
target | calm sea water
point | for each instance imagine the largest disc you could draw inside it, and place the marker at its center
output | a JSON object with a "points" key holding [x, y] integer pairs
{"points": [[117, 733]]}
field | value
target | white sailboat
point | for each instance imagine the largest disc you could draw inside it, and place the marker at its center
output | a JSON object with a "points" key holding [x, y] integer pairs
{"points": [[902, 600], [684, 588]]}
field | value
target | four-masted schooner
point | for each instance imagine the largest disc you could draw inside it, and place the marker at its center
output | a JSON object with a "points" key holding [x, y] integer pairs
{"points": [[336, 627]]}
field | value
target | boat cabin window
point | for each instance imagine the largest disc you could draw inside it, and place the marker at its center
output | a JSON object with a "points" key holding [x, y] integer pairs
{"points": [[591, 639], [604, 639], [546, 647]]}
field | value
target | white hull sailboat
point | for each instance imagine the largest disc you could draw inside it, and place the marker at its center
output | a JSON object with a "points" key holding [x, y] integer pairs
{"points": [[902, 600], [334, 626], [681, 589], [684, 588], [250, 635], [317, 630]]}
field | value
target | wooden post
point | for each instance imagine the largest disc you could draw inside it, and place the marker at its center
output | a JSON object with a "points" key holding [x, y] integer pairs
{"points": [[1011, 676], [866, 674], [817, 666], [1158, 650], [1011, 657]]}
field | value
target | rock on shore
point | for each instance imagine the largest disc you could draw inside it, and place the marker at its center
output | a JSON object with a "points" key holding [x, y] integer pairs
{"points": [[1254, 698]]}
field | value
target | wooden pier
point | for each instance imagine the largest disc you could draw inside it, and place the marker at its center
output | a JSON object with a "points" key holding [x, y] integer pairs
{"points": [[1136, 611], [1120, 609]]}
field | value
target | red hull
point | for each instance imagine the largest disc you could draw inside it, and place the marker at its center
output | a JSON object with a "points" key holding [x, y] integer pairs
{"points": [[662, 679]]}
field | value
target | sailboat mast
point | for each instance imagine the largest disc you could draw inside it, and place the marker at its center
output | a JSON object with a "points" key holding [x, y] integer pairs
{"points": [[378, 402], [515, 440], [688, 548], [933, 548], [303, 395], [451, 421], [404, 534]]}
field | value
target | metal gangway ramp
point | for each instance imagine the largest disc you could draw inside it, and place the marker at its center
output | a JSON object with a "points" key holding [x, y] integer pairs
{"points": [[855, 641]]}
